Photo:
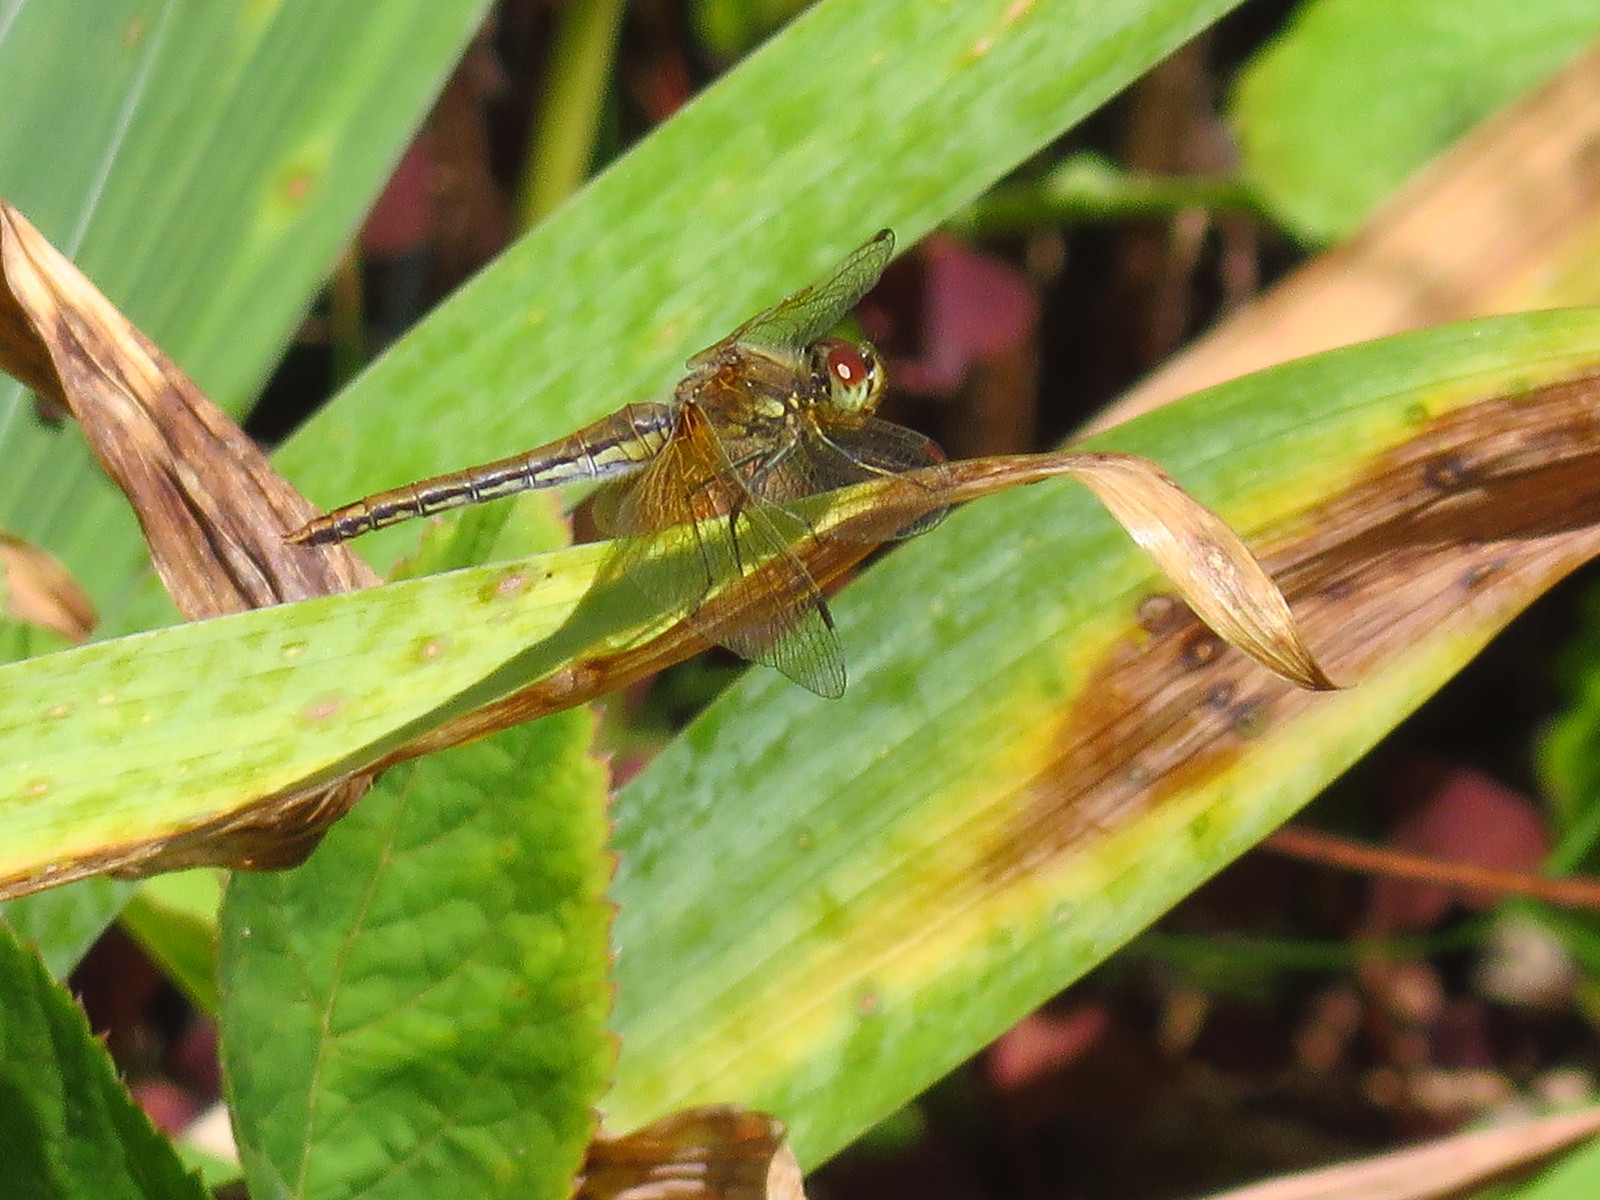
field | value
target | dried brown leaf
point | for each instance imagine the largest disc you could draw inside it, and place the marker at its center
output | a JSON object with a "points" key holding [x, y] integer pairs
{"points": [[1206, 561], [212, 508], [1505, 221], [1447, 1167], [40, 591], [715, 1153]]}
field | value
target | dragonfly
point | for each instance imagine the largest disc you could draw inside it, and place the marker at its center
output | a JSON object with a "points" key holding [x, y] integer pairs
{"points": [[702, 491]]}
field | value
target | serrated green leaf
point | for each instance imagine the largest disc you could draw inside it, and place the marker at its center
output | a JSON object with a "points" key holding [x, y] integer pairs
{"points": [[1357, 95], [419, 1011], [68, 1128]]}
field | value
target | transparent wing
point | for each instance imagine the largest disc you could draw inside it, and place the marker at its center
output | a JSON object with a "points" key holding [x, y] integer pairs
{"points": [[736, 582], [796, 322], [844, 453]]}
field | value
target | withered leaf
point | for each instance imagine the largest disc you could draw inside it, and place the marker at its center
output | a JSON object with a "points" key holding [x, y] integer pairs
{"points": [[720, 1152], [212, 508], [40, 591], [1447, 1167]]}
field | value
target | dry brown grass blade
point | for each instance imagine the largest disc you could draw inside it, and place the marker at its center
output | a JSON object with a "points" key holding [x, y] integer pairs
{"points": [[714, 1153], [1329, 850], [40, 591], [1507, 220], [212, 508], [1211, 567], [1448, 1167]]}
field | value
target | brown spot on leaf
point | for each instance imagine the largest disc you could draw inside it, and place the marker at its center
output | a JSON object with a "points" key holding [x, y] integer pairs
{"points": [[1447, 473], [1201, 648], [1371, 571], [297, 186], [324, 709], [1160, 614], [512, 584]]}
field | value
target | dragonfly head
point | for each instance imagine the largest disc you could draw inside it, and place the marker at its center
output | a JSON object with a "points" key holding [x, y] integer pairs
{"points": [[849, 373]]}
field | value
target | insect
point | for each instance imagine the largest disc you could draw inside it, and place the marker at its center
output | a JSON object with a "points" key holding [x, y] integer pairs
{"points": [[775, 412]]}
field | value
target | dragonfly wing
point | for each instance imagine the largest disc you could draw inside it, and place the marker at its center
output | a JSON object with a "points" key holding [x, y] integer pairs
{"points": [[794, 323], [843, 453], [793, 632], [697, 541]]}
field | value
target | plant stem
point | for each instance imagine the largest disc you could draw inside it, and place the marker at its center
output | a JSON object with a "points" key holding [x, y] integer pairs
{"points": [[564, 129]]}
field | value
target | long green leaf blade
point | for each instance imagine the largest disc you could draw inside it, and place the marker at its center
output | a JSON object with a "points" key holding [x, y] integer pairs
{"points": [[216, 157], [881, 885], [857, 116]]}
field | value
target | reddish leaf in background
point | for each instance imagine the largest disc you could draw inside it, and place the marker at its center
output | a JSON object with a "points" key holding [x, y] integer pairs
{"points": [[402, 217], [1043, 1042], [975, 309], [1465, 817]]}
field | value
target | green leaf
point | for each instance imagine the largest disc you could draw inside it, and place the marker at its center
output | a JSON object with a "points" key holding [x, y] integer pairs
{"points": [[825, 907], [728, 28], [204, 164], [419, 1011], [1358, 94], [63, 924], [68, 1128], [174, 917], [1568, 755], [1575, 1177], [859, 115]]}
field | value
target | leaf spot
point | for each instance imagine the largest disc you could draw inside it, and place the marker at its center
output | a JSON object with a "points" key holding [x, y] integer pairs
{"points": [[1201, 649], [322, 710]]}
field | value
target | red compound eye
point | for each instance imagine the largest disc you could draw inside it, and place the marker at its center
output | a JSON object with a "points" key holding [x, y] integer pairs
{"points": [[847, 364]]}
